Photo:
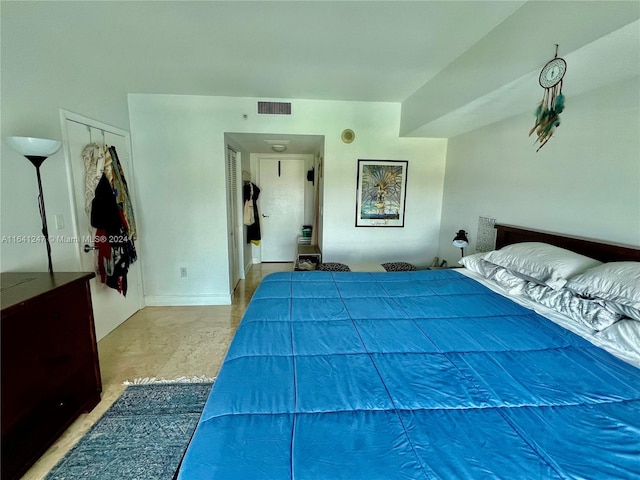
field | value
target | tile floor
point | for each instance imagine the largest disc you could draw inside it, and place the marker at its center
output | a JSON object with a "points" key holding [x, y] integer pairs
{"points": [[161, 342]]}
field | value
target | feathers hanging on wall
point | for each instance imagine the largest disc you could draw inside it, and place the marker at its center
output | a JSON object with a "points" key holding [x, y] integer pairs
{"points": [[552, 104]]}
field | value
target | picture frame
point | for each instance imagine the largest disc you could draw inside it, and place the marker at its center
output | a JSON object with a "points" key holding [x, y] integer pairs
{"points": [[381, 193]]}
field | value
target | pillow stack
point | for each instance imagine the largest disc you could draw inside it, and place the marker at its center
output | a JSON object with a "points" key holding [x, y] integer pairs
{"points": [[542, 263], [613, 286], [617, 284]]}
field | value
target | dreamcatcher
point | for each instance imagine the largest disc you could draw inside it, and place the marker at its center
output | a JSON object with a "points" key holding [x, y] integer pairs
{"points": [[552, 104]]}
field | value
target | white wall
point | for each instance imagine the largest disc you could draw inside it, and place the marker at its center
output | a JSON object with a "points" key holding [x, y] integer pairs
{"points": [[32, 93], [19, 205], [585, 181], [417, 242], [244, 165], [178, 145]]}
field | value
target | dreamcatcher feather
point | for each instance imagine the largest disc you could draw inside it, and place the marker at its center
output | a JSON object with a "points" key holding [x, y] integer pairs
{"points": [[552, 104]]}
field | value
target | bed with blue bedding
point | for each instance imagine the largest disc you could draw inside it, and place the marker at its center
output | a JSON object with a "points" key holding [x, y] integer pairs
{"points": [[411, 375]]}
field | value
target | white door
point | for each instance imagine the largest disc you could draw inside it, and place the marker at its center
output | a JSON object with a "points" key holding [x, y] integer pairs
{"points": [[233, 210], [281, 207], [110, 308]]}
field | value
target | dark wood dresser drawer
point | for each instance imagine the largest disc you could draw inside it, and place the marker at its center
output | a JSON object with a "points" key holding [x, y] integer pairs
{"points": [[50, 370]]}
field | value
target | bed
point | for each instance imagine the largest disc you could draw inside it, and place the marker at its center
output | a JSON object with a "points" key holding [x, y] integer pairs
{"points": [[418, 375]]}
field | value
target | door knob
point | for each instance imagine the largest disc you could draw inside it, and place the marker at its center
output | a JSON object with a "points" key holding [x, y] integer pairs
{"points": [[265, 216], [87, 248]]}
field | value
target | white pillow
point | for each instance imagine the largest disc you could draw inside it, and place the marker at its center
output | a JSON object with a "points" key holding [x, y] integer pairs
{"points": [[624, 310], [511, 282], [541, 262], [475, 262], [617, 282], [588, 312]]}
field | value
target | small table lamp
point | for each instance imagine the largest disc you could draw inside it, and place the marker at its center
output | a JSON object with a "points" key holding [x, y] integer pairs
{"points": [[460, 241], [37, 150]]}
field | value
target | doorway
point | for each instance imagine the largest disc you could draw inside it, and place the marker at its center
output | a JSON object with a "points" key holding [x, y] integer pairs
{"points": [[308, 151], [281, 206], [110, 308]]}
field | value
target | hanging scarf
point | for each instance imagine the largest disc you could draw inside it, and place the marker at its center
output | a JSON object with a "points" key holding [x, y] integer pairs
{"points": [[121, 191], [94, 159]]}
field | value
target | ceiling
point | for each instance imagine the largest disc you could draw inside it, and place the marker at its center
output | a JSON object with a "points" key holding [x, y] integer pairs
{"points": [[424, 54], [262, 143]]}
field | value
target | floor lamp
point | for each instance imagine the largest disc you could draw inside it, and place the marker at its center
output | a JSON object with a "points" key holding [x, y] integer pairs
{"points": [[37, 150]]}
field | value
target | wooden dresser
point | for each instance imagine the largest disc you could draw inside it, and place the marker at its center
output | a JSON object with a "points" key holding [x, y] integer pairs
{"points": [[50, 370]]}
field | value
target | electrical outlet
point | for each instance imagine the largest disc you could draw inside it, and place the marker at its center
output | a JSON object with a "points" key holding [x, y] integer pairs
{"points": [[183, 272]]}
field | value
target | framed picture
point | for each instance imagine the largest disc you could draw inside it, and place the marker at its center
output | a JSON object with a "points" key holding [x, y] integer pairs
{"points": [[381, 194]]}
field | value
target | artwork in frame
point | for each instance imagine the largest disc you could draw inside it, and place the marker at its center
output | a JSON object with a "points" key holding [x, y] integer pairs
{"points": [[381, 194]]}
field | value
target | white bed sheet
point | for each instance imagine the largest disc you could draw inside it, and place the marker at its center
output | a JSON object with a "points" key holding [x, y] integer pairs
{"points": [[622, 339]]}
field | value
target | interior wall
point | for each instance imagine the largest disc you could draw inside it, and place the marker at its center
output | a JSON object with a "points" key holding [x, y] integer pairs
{"points": [[309, 192], [244, 165], [22, 247], [417, 241], [33, 93], [178, 144], [585, 181]]}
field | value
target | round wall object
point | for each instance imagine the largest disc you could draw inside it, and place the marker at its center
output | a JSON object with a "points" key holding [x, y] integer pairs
{"points": [[348, 136]]}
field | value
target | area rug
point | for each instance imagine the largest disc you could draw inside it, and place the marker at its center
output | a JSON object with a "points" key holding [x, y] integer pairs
{"points": [[143, 435]]}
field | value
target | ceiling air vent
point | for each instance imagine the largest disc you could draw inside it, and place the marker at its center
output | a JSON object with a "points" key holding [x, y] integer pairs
{"points": [[274, 108]]}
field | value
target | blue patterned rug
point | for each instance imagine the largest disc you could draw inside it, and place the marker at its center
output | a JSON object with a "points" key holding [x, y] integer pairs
{"points": [[143, 435]]}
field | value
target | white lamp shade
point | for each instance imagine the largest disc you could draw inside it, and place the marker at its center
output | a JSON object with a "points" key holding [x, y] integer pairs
{"points": [[36, 147]]}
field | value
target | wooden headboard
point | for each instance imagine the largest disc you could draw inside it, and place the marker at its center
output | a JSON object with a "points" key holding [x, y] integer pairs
{"points": [[605, 252]]}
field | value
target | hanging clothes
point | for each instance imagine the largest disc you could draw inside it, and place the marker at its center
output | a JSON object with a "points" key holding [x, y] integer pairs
{"points": [[109, 208], [251, 192], [94, 157], [248, 216], [121, 191], [111, 237]]}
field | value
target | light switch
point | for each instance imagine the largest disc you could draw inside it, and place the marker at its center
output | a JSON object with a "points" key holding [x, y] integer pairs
{"points": [[59, 221]]}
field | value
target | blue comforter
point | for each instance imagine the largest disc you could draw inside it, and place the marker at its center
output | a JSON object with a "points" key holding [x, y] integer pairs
{"points": [[411, 375]]}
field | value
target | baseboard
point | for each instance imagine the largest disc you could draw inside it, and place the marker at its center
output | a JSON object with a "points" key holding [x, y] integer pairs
{"points": [[186, 300]]}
